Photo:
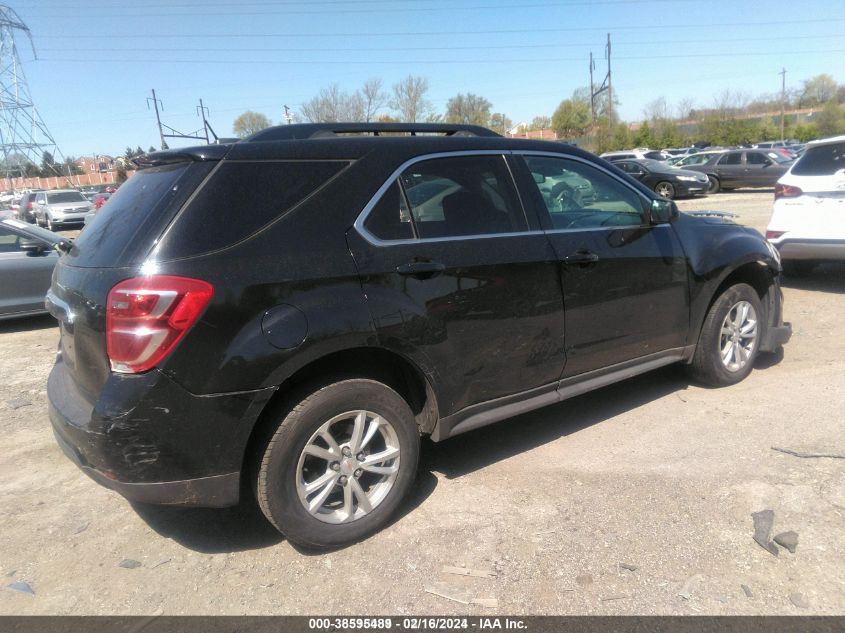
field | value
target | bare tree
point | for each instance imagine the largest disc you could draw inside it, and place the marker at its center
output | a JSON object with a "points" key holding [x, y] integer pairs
{"points": [[373, 97], [684, 108], [333, 105], [409, 99], [657, 110], [541, 123]]}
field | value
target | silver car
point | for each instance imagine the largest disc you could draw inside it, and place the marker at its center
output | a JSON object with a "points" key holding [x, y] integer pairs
{"points": [[60, 207], [27, 258]]}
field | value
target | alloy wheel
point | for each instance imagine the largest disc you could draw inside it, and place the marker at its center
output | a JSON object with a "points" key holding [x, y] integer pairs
{"points": [[738, 336], [348, 467]]}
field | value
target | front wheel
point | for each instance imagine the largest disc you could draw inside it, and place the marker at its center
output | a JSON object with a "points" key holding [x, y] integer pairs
{"points": [[730, 338], [51, 226], [713, 185], [665, 190], [339, 464]]}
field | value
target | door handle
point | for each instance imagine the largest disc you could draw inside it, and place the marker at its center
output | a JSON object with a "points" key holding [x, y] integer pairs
{"points": [[581, 257], [421, 270]]}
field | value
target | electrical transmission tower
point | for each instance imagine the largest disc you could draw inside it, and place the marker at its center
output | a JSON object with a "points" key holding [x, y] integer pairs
{"points": [[23, 135]]}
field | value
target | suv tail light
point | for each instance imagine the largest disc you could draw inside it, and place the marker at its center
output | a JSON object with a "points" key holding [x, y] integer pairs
{"points": [[773, 235], [147, 316], [29, 204], [787, 191]]}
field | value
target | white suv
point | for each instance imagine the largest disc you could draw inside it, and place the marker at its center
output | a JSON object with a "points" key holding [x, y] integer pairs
{"points": [[808, 219], [639, 153]]}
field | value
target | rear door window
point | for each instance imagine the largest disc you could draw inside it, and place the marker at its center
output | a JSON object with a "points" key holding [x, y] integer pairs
{"points": [[824, 160], [734, 158], [462, 196], [756, 158]]}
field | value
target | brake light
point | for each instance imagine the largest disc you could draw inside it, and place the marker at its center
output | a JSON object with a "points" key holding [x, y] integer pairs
{"points": [[773, 235], [29, 204], [787, 191], [147, 316]]}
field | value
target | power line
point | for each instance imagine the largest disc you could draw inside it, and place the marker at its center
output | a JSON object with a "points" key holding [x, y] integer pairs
{"points": [[584, 29], [380, 10], [229, 49], [289, 62]]}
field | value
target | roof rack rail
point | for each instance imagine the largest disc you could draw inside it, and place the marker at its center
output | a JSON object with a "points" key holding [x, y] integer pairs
{"points": [[334, 130]]}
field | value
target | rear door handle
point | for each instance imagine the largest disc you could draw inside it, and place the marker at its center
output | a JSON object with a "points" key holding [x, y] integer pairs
{"points": [[581, 257], [421, 270]]}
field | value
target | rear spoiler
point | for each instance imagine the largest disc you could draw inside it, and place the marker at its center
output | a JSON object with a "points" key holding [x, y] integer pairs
{"points": [[188, 154]]}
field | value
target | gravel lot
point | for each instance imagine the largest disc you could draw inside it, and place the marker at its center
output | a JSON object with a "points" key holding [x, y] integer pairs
{"points": [[635, 499]]}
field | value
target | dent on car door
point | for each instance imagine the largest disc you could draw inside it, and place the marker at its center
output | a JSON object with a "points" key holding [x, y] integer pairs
{"points": [[460, 281], [625, 283], [24, 275]]}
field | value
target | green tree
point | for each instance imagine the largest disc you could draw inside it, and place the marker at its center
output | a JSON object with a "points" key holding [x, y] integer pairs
{"points": [[500, 123], [249, 123], [830, 121], [70, 167], [622, 138], [572, 118], [468, 109], [644, 137]]}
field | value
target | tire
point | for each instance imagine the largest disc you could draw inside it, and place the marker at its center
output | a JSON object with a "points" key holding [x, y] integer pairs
{"points": [[798, 267], [665, 190], [51, 226], [714, 185], [284, 468], [707, 365]]}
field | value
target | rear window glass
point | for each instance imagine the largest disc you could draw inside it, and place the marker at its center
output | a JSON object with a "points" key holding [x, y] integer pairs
{"points": [[240, 198], [118, 226], [65, 196], [824, 160]]}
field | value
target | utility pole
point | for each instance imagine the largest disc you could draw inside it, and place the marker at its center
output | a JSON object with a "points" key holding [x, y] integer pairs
{"points": [[592, 90], [605, 86], [782, 74], [202, 111], [609, 86], [288, 115], [156, 102]]}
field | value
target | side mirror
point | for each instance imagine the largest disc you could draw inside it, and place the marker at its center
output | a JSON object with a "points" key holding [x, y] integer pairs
{"points": [[663, 211], [33, 246], [538, 178]]}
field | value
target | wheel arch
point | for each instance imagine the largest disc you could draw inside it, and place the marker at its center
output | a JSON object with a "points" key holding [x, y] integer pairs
{"points": [[756, 273], [376, 363]]}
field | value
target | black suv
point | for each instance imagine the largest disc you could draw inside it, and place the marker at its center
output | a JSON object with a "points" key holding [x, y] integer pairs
{"points": [[292, 312]]}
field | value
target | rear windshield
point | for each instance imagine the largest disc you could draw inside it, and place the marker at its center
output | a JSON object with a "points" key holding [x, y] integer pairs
{"points": [[65, 196], [824, 160], [124, 230]]}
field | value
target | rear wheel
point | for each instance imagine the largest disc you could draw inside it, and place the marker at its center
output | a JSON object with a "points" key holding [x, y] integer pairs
{"points": [[339, 464], [665, 190], [713, 184], [729, 341], [798, 267]]}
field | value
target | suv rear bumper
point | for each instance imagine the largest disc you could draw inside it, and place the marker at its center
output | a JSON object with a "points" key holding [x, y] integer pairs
{"points": [[797, 248], [184, 450]]}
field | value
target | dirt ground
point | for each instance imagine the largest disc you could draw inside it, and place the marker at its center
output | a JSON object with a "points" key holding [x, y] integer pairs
{"points": [[635, 499]]}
